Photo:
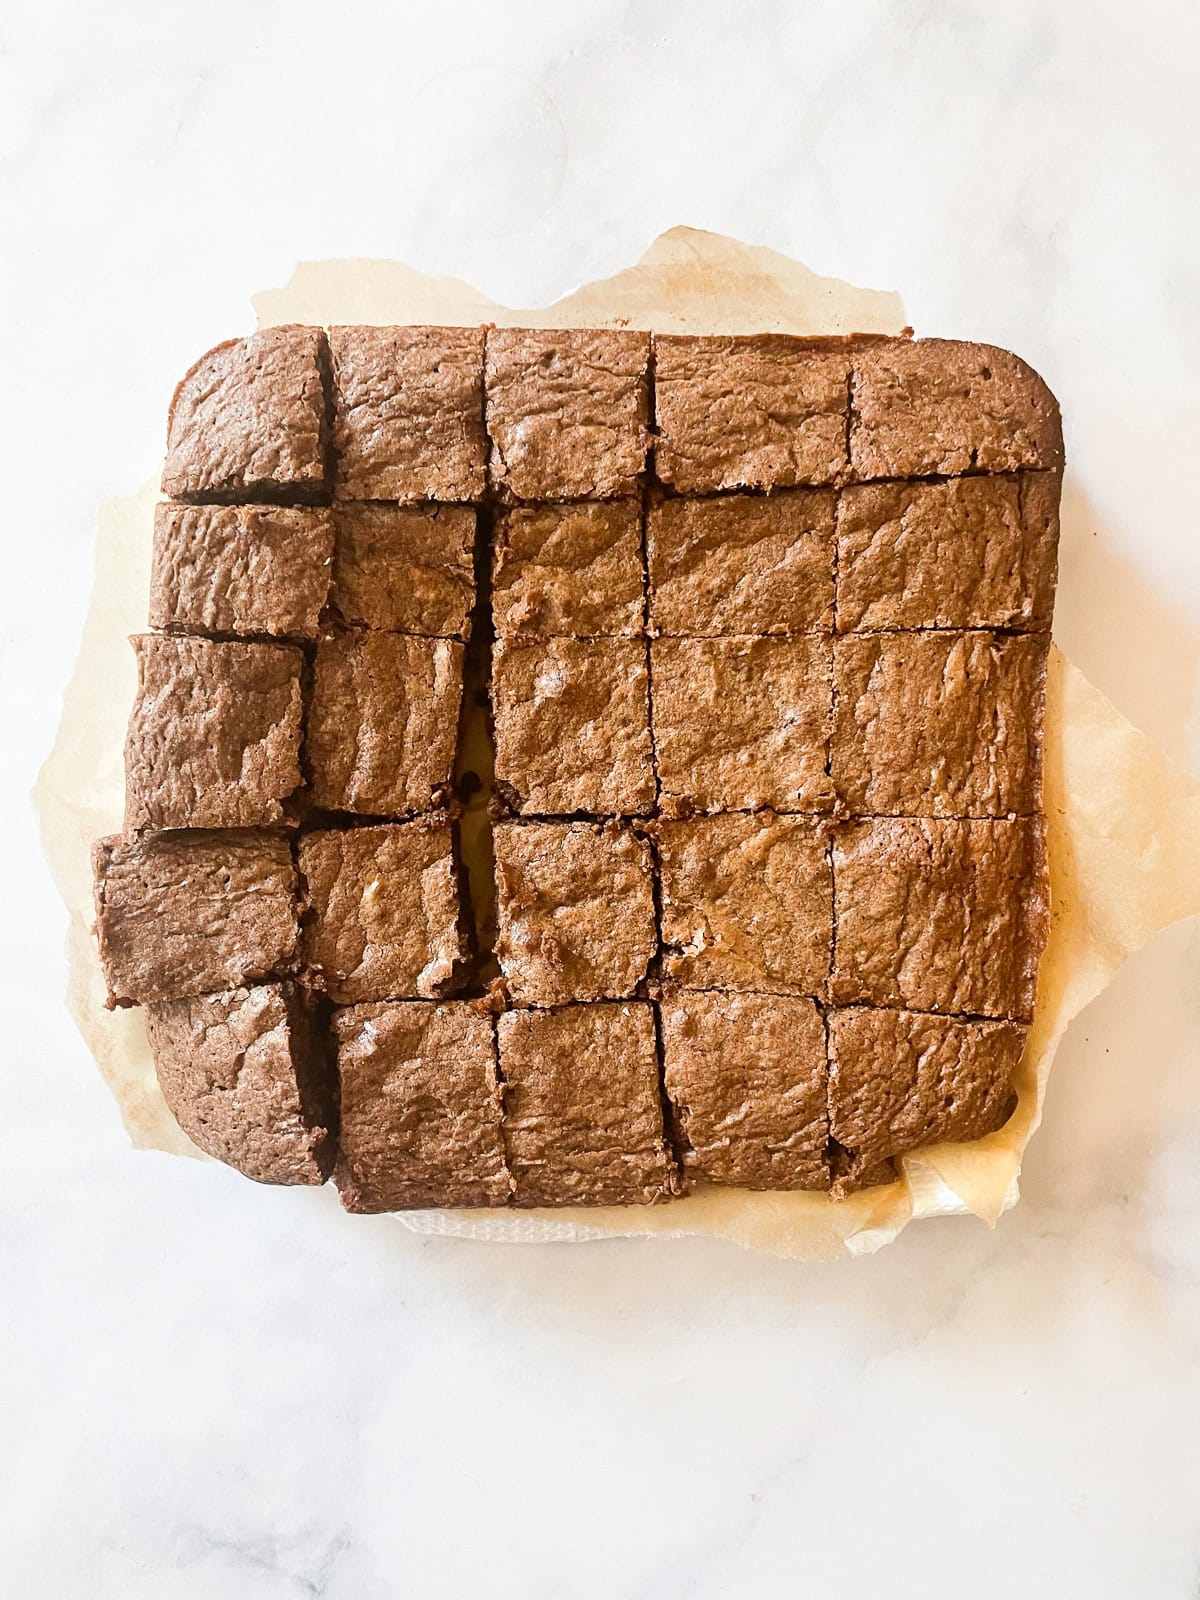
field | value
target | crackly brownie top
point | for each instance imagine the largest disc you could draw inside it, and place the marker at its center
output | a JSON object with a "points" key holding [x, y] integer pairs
{"points": [[405, 569], [571, 570]]}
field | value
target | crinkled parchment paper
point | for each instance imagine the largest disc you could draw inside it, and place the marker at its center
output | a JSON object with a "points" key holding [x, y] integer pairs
{"points": [[1124, 824]]}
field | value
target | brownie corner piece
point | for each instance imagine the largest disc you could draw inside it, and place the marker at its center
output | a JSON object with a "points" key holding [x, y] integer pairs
{"points": [[248, 420]]}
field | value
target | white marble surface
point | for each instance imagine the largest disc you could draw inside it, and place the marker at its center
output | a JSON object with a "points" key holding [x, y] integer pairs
{"points": [[210, 1390]]}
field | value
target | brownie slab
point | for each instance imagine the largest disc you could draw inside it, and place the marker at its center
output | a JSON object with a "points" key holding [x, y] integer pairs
{"points": [[745, 1076], [938, 724], [383, 722], [742, 564], [408, 413], [420, 1108], [250, 569], [572, 726], [568, 569], [967, 553], [582, 1113], [747, 902], [246, 1077], [181, 914], [764, 412], [405, 569], [576, 911], [939, 915], [382, 917], [248, 421], [567, 412], [742, 723]]}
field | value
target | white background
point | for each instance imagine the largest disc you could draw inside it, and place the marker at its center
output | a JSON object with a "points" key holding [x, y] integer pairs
{"points": [[209, 1389]]}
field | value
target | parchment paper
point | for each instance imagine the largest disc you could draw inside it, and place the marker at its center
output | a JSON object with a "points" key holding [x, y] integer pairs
{"points": [[1123, 823]]}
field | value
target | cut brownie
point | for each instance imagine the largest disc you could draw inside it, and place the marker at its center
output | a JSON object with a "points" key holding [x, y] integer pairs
{"points": [[572, 719], [939, 915], [764, 412], [382, 918], [250, 569], [749, 564], [747, 902], [945, 407], [742, 723], [899, 1080], [582, 1113], [214, 736], [407, 569], [420, 1108], [938, 724], [248, 421], [246, 1077], [570, 569], [408, 413], [383, 722], [567, 412], [968, 553], [576, 911], [745, 1075], [180, 914]]}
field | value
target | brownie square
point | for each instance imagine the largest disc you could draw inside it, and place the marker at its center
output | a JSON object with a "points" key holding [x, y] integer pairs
{"points": [[567, 412], [572, 720], [747, 902], [383, 722], [582, 1111], [408, 413], [406, 569], [901, 1080], [764, 412], [214, 735], [939, 915], [745, 1076], [742, 564], [420, 1105], [742, 723], [941, 406], [967, 553], [570, 569], [938, 724], [248, 421], [382, 918], [250, 569], [576, 911], [180, 914], [246, 1077]]}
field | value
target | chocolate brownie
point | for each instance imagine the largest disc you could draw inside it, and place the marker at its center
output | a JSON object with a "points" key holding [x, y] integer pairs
{"points": [[900, 1080], [572, 720], [948, 407], [214, 736], [383, 722], [569, 569], [382, 918], [939, 915], [567, 412], [407, 569], [246, 1077], [742, 564], [408, 413], [938, 724], [745, 1076], [181, 914], [248, 421], [763, 412], [582, 1114], [420, 1108], [747, 902], [576, 911], [251, 569], [742, 723], [967, 553]]}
